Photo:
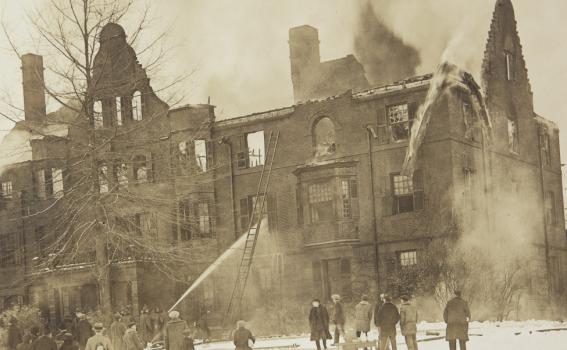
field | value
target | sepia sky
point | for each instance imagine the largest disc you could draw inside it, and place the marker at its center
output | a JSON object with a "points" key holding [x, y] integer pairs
{"points": [[238, 53]]}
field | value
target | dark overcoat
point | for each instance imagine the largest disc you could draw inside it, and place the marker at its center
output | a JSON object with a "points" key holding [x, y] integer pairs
{"points": [[319, 323], [456, 315], [387, 318]]}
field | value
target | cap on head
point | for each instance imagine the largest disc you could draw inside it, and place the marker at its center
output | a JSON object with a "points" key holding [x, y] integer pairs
{"points": [[458, 293], [365, 297], [405, 298], [336, 297], [241, 324], [98, 327], [187, 331], [174, 314], [387, 298], [130, 324]]}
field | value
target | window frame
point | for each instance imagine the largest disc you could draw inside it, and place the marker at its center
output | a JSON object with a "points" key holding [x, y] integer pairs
{"points": [[332, 192], [513, 136], [7, 190], [410, 262], [417, 192], [137, 106], [409, 121], [509, 65]]}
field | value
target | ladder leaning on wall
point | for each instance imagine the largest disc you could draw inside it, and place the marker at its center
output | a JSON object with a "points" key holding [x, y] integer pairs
{"points": [[253, 230]]}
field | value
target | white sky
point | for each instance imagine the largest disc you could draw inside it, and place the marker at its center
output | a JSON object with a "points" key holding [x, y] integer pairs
{"points": [[239, 53]]}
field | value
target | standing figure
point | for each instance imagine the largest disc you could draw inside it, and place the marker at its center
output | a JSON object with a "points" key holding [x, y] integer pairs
{"points": [[27, 340], [387, 318], [45, 341], [99, 341], [188, 342], [319, 324], [84, 330], [68, 342], [339, 318], [363, 316], [117, 331], [157, 321], [145, 328], [174, 332], [408, 322], [457, 315], [132, 339], [14, 334], [242, 337]]}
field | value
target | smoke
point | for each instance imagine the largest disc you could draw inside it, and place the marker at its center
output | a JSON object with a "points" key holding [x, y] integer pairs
{"points": [[385, 56]]}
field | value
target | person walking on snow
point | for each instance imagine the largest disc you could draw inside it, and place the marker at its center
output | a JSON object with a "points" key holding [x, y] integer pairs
{"points": [[338, 318], [319, 324], [363, 316], [408, 322], [242, 337], [173, 334], [457, 315], [387, 318]]}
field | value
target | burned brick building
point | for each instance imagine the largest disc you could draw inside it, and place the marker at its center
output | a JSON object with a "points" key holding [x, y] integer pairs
{"points": [[340, 216]]}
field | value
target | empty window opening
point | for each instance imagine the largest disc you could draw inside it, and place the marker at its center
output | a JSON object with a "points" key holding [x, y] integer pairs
{"points": [[324, 137], [550, 209], [201, 154], [122, 174], [7, 250], [513, 142], [7, 190], [321, 201], [256, 148], [97, 114], [118, 111], [349, 198], [509, 65], [204, 217], [103, 179], [407, 258], [184, 220], [545, 148], [137, 106], [400, 121], [140, 169], [57, 177]]}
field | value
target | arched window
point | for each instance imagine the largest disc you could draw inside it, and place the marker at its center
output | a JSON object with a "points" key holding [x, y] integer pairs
{"points": [[137, 106], [140, 169], [324, 137]]}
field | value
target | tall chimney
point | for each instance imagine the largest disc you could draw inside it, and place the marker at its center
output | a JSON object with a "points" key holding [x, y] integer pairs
{"points": [[33, 82]]}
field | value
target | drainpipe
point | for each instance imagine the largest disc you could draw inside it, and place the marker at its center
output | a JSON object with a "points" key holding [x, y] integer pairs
{"points": [[540, 132], [370, 133], [226, 141]]}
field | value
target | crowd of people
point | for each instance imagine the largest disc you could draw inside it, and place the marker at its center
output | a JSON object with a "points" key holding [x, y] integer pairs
{"points": [[386, 316], [152, 330]]}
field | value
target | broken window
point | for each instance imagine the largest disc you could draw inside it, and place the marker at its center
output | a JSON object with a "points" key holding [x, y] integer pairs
{"points": [[550, 210], [137, 106], [57, 178], [103, 179], [201, 154], [148, 224], [509, 65], [324, 137], [118, 106], [349, 198], [513, 143], [545, 148], [256, 148], [184, 220], [97, 114], [470, 122], [7, 250], [408, 193], [7, 190], [40, 239], [39, 178], [140, 169], [400, 120], [268, 211], [122, 174], [321, 201], [407, 258]]}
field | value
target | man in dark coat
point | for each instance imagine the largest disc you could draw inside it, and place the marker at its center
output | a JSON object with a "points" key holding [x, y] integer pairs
{"points": [[241, 337], [84, 330], [174, 332], [386, 320], [457, 315], [44, 342], [68, 342], [145, 327], [338, 318], [14, 334], [132, 339], [117, 331], [319, 324]]}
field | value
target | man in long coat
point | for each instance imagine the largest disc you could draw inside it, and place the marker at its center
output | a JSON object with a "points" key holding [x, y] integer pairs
{"points": [[408, 322], [84, 330], [338, 318], [117, 331], [174, 332], [457, 315], [145, 327], [319, 324], [132, 339], [386, 319], [363, 316]]}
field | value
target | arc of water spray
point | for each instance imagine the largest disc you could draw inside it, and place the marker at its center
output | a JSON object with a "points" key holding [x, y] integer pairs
{"points": [[237, 245]]}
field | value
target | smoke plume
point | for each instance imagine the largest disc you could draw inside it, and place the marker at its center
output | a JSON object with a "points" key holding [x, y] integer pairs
{"points": [[385, 56]]}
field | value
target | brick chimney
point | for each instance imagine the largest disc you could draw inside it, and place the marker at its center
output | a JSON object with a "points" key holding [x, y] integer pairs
{"points": [[33, 83]]}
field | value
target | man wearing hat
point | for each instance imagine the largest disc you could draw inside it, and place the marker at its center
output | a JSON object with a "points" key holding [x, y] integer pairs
{"points": [[132, 339], [174, 332], [242, 337], [457, 315], [99, 341], [117, 331], [84, 330], [338, 318], [68, 342], [363, 315], [45, 341], [188, 342]]}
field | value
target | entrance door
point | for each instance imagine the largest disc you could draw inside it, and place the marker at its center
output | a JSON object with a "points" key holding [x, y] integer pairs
{"points": [[332, 278]]}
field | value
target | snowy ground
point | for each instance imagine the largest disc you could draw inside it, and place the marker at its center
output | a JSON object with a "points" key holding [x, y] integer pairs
{"points": [[483, 336]]}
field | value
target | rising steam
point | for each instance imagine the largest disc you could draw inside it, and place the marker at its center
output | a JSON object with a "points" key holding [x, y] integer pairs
{"points": [[385, 56]]}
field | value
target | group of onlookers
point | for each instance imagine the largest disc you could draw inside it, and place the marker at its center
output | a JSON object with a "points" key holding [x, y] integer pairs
{"points": [[386, 317]]}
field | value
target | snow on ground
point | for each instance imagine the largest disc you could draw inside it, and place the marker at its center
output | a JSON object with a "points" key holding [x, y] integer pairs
{"points": [[483, 336]]}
